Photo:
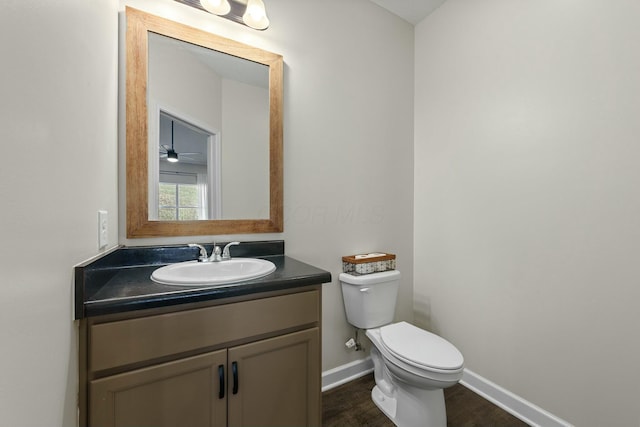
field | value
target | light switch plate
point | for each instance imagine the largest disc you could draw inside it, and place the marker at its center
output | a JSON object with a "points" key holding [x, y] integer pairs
{"points": [[103, 229]]}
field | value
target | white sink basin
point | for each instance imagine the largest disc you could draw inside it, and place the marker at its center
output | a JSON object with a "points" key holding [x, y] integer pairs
{"points": [[193, 273]]}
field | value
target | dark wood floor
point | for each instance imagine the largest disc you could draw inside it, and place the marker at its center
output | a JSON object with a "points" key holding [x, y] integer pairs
{"points": [[351, 405]]}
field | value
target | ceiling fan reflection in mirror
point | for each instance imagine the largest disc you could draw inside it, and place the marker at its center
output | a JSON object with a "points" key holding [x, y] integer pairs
{"points": [[171, 155]]}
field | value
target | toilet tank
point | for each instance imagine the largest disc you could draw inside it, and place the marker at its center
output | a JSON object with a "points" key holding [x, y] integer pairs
{"points": [[370, 299]]}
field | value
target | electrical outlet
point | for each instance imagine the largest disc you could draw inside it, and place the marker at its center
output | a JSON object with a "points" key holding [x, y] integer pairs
{"points": [[103, 229]]}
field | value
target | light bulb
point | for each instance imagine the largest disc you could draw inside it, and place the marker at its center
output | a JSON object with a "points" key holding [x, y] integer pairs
{"points": [[217, 7], [172, 156], [256, 16]]}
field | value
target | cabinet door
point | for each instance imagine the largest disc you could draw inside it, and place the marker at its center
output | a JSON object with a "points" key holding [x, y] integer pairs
{"points": [[276, 381], [182, 393]]}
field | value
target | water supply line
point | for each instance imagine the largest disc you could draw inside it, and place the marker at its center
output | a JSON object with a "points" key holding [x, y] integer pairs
{"points": [[354, 343]]}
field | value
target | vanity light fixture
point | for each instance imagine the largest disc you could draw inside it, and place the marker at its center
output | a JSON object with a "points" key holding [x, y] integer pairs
{"points": [[255, 16], [217, 7], [251, 13]]}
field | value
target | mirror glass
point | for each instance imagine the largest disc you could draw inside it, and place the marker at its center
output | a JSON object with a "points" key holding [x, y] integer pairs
{"points": [[208, 133], [204, 132]]}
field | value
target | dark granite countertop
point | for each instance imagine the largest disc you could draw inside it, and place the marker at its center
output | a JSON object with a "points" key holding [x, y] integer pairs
{"points": [[120, 280]]}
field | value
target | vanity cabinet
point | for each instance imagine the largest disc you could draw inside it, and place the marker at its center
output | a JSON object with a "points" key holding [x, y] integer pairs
{"points": [[171, 394], [242, 363]]}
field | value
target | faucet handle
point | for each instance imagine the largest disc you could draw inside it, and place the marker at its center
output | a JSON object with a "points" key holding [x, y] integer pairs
{"points": [[203, 252], [225, 253]]}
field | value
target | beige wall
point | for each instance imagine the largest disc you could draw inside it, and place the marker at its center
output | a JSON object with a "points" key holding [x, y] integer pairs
{"points": [[58, 88], [179, 82], [527, 207], [244, 150]]}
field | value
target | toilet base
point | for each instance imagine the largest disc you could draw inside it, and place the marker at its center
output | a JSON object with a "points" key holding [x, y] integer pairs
{"points": [[412, 407], [387, 405]]}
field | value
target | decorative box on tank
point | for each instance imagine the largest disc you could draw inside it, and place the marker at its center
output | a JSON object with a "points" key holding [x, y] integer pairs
{"points": [[368, 263]]}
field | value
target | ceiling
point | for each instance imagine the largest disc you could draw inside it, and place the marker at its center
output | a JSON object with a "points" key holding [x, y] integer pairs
{"points": [[412, 11]]}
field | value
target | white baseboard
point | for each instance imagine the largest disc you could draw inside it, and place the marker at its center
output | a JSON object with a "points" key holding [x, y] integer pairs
{"points": [[345, 373], [515, 405]]}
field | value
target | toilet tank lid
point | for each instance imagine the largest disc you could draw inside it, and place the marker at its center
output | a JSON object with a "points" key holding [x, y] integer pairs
{"points": [[370, 279]]}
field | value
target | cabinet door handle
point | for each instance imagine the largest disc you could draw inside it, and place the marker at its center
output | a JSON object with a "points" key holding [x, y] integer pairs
{"points": [[221, 378], [234, 371]]}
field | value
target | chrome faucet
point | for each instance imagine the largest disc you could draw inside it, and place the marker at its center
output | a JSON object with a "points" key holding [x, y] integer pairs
{"points": [[225, 253], [217, 254]]}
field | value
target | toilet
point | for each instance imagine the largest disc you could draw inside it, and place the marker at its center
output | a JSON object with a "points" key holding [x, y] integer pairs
{"points": [[411, 366]]}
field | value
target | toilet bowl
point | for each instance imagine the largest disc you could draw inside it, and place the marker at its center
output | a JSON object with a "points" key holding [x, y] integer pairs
{"points": [[416, 356], [411, 366]]}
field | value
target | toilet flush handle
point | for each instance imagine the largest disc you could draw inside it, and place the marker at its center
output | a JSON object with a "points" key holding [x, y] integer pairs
{"points": [[364, 289]]}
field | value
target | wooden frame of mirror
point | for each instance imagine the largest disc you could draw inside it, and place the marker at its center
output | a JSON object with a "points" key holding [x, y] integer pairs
{"points": [[139, 24]]}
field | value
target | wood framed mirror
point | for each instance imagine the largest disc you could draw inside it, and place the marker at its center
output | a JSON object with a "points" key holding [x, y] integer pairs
{"points": [[148, 147]]}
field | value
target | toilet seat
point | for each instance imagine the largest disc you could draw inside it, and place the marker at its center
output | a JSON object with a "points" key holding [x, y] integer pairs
{"points": [[420, 348]]}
